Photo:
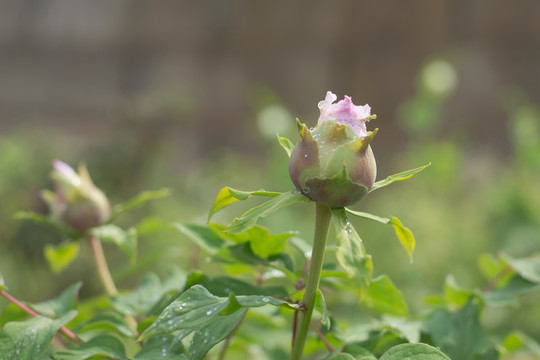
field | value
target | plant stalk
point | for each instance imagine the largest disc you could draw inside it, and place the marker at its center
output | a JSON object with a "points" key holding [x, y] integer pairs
{"points": [[101, 265], [31, 312], [322, 222], [105, 274]]}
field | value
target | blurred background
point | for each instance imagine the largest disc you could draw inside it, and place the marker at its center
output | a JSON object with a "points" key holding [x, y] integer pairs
{"points": [[190, 94]]}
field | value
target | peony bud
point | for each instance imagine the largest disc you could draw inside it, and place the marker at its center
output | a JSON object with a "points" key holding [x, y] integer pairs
{"points": [[333, 163], [77, 201]]}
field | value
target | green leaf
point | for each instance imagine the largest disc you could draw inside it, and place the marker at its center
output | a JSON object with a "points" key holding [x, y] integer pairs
{"points": [[528, 268], [508, 295], [209, 335], [227, 196], [29, 340], [223, 286], [320, 306], [517, 341], [60, 256], [404, 235], [61, 305], [407, 328], [125, 240], [39, 219], [368, 216], [286, 144], [383, 297], [194, 308], [147, 295], [459, 334], [358, 352], [250, 218], [107, 322], [342, 356], [454, 294], [102, 345], [351, 254], [242, 253], [197, 307], [138, 201], [165, 347], [238, 302], [397, 177], [414, 352], [203, 235], [261, 242]]}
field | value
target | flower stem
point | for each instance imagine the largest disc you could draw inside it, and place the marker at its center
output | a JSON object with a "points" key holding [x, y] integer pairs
{"points": [[105, 274], [322, 222], [101, 265]]}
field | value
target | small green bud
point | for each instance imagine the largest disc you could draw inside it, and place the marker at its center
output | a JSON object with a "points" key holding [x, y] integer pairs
{"points": [[333, 163], [77, 201]]}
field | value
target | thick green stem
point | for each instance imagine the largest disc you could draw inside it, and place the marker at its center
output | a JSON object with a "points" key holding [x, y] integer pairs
{"points": [[322, 223]]}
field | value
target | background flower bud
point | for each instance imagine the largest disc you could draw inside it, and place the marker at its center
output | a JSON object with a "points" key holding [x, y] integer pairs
{"points": [[77, 201], [333, 163]]}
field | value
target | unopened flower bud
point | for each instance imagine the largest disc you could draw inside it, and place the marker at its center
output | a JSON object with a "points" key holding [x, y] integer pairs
{"points": [[77, 201], [333, 163]]}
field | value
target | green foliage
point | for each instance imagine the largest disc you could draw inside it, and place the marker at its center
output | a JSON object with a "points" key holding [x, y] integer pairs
{"points": [[385, 298], [125, 240], [459, 334], [404, 235], [61, 305], [250, 218], [351, 254], [247, 283], [228, 195], [414, 352], [197, 307], [103, 345], [137, 202], [29, 340], [397, 177], [60, 256]]}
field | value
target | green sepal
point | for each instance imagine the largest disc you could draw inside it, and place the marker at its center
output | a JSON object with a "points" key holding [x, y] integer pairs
{"points": [[304, 160], [337, 191], [286, 144]]}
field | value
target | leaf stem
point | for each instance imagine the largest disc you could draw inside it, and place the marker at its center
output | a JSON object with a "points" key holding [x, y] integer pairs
{"points": [[31, 312], [105, 274], [322, 222]]}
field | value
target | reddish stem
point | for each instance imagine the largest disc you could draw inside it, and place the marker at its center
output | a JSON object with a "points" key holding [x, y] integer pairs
{"points": [[323, 337], [31, 312]]}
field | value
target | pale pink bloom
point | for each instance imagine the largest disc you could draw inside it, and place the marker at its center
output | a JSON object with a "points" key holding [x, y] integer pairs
{"points": [[345, 112], [66, 173]]}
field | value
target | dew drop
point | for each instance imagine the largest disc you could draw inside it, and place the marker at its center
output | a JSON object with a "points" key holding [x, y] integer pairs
{"points": [[209, 312], [265, 299]]}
